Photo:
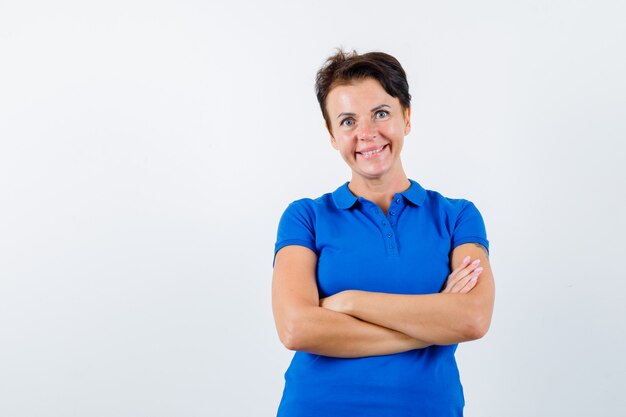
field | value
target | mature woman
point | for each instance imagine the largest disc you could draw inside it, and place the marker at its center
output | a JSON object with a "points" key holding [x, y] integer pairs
{"points": [[376, 283]]}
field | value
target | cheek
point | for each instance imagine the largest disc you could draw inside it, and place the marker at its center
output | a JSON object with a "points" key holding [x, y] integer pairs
{"points": [[345, 145], [395, 131], [346, 153]]}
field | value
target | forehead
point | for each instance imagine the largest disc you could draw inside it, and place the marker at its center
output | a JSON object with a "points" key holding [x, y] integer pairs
{"points": [[357, 94]]}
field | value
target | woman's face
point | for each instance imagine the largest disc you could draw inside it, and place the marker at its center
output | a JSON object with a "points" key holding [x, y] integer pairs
{"points": [[367, 127]]}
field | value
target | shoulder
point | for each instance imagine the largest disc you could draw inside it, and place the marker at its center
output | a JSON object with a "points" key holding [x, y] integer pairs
{"points": [[308, 207], [312, 207], [306, 213], [298, 223], [466, 224], [459, 216], [447, 205]]}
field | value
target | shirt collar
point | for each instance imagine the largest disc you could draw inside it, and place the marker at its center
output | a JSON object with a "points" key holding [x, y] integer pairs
{"points": [[415, 194], [344, 199]]}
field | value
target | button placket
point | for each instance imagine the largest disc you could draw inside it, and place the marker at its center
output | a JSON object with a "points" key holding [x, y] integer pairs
{"points": [[394, 210], [375, 213], [388, 232]]}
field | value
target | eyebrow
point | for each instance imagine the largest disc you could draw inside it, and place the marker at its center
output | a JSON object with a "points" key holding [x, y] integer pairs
{"points": [[380, 106]]}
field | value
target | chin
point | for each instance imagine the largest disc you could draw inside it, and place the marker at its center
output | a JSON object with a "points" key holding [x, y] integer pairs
{"points": [[370, 175]]}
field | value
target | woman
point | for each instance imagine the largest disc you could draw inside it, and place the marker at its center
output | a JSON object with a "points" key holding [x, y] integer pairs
{"points": [[362, 288]]}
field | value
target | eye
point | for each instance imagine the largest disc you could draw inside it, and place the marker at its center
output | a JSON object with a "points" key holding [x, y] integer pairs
{"points": [[349, 122], [381, 114]]}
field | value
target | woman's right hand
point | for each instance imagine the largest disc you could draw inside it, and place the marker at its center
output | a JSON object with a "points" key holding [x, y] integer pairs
{"points": [[463, 279]]}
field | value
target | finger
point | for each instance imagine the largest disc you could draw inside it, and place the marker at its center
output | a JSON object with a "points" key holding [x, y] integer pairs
{"points": [[455, 275], [465, 268], [453, 283], [469, 268], [462, 265], [460, 273], [456, 288], [472, 266], [470, 285]]}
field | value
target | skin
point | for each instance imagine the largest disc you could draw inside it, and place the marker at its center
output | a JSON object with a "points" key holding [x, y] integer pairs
{"points": [[363, 116], [438, 319], [359, 323]]}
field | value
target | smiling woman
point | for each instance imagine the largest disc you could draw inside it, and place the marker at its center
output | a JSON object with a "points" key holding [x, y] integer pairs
{"points": [[376, 283], [369, 136]]}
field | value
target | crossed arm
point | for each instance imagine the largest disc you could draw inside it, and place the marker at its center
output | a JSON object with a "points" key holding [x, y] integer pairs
{"points": [[360, 323]]}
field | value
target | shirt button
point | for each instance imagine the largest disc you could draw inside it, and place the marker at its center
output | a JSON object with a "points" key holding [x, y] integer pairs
{"points": [[398, 200], [389, 235], [393, 213]]}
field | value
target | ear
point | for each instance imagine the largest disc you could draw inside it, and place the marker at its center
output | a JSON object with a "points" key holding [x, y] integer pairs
{"points": [[407, 121], [333, 141]]}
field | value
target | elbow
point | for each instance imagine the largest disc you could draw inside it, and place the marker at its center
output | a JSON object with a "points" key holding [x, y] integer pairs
{"points": [[478, 325], [291, 334], [297, 327], [477, 322], [477, 329], [288, 339]]}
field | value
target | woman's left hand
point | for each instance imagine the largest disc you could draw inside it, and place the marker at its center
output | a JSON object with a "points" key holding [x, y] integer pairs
{"points": [[463, 279]]}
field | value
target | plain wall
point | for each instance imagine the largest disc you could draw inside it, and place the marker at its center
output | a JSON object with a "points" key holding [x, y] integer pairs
{"points": [[148, 149]]}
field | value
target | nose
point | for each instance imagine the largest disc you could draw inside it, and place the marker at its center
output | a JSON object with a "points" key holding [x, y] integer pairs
{"points": [[366, 130]]}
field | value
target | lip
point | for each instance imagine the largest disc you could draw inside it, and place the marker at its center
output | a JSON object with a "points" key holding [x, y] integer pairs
{"points": [[372, 148]]}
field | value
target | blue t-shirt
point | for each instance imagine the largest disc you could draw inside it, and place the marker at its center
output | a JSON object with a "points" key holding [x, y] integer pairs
{"points": [[406, 251]]}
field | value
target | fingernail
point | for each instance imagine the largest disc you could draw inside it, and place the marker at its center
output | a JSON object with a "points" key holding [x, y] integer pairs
{"points": [[478, 270], [476, 262], [467, 258], [474, 278]]}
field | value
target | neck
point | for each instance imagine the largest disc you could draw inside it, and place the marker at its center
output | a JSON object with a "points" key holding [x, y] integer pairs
{"points": [[380, 191]]}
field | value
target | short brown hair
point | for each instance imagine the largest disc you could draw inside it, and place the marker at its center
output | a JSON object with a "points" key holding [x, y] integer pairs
{"points": [[343, 67]]}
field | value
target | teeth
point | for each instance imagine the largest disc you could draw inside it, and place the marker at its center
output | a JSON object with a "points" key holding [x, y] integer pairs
{"points": [[372, 152]]}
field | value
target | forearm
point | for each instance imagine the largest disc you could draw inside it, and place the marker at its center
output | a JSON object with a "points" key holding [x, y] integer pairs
{"points": [[440, 319], [329, 333]]}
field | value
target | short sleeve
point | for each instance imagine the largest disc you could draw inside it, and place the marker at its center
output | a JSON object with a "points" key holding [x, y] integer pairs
{"points": [[297, 227], [469, 227]]}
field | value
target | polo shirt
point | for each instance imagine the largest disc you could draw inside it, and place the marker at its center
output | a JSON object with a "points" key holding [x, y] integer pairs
{"points": [[406, 251]]}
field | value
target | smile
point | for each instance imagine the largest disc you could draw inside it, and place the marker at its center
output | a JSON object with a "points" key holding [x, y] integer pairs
{"points": [[372, 152]]}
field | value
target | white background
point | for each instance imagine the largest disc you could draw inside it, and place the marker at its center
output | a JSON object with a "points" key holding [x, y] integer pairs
{"points": [[148, 149]]}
